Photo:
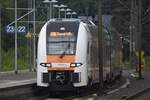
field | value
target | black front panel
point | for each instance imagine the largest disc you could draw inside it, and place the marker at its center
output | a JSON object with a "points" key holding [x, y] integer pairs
{"points": [[76, 77], [70, 26], [61, 77], [45, 78], [62, 36]]}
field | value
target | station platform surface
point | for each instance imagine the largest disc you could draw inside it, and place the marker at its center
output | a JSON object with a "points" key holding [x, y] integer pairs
{"points": [[10, 79], [135, 85], [131, 86]]}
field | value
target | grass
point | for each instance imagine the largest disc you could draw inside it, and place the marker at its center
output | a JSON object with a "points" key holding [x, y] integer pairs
{"points": [[147, 63], [8, 59]]}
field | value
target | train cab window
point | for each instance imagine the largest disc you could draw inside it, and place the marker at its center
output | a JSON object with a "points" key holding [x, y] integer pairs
{"points": [[61, 38]]}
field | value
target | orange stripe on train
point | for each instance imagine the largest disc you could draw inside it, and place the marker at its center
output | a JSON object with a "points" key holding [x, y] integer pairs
{"points": [[57, 59], [60, 69]]}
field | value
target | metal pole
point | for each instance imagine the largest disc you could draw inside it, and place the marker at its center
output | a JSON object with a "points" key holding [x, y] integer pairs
{"points": [[133, 33], [16, 66], [34, 39], [0, 42], [50, 9], [131, 28], [65, 13], [136, 24], [135, 30], [139, 35], [47, 13], [58, 12], [28, 40], [100, 42]]}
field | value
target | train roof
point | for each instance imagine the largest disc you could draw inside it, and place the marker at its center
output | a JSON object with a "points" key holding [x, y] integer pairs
{"points": [[89, 22]]}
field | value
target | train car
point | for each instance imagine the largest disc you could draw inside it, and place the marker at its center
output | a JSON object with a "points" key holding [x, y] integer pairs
{"points": [[67, 55]]}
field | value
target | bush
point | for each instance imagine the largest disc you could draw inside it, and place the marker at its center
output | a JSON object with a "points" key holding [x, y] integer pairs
{"points": [[147, 63], [8, 59]]}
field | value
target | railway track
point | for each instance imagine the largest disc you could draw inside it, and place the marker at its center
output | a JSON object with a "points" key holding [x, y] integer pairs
{"points": [[140, 95], [84, 93], [31, 92], [80, 93], [23, 92]]}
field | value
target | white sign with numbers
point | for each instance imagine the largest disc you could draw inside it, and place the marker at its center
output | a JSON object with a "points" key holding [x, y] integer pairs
{"points": [[11, 29]]}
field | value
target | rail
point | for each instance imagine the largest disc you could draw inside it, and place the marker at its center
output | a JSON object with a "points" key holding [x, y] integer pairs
{"points": [[24, 92], [138, 93]]}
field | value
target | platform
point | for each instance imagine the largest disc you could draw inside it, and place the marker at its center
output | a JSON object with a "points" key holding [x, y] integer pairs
{"points": [[134, 86], [10, 79], [124, 91]]}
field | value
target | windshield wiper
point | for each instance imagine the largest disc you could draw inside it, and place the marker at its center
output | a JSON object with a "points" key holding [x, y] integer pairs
{"points": [[64, 52]]}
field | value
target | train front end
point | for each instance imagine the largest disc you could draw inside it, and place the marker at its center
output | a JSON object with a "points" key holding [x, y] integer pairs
{"points": [[57, 64]]}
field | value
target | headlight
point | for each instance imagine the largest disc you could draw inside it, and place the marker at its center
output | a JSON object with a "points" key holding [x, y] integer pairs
{"points": [[46, 64], [75, 64]]}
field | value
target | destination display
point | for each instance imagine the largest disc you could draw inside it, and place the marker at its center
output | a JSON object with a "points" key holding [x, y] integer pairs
{"points": [[58, 34]]}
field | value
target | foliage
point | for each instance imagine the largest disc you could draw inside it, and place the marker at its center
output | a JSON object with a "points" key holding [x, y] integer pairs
{"points": [[82, 7], [8, 59], [147, 62], [116, 60], [22, 58], [128, 64]]}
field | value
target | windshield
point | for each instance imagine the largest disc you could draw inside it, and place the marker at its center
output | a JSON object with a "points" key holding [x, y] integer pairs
{"points": [[61, 38]]}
